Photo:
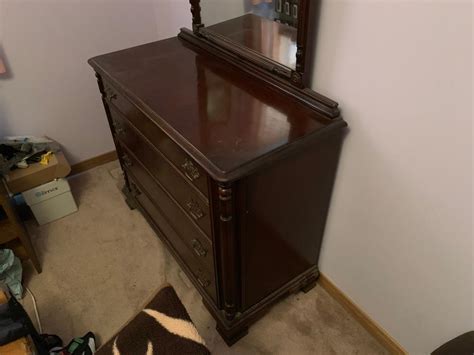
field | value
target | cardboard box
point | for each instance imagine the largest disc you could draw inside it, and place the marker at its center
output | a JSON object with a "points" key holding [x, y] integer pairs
{"points": [[51, 201], [20, 180]]}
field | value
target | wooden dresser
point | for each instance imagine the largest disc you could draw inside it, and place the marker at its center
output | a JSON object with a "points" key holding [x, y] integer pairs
{"points": [[234, 175]]}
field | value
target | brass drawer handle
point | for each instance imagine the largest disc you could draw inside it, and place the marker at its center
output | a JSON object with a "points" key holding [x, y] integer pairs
{"points": [[203, 282], [126, 161], [119, 129], [191, 172], [195, 210], [198, 248], [110, 94]]}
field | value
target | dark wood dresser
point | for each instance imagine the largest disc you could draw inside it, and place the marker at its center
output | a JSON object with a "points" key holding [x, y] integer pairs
{"points": [[234, 174]]}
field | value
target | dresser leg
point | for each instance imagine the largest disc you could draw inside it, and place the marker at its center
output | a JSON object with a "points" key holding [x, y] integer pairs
{"points": [[231, 336], [129, 198], [310, 282]]}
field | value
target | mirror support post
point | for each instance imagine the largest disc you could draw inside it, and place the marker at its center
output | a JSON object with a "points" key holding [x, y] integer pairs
{"points": [[196, 12]]}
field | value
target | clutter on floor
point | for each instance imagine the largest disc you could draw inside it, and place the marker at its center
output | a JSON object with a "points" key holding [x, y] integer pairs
{"points": [[11, 272], [18, 335], [162, 327], [19, 180], [18, 345], [17, 331], [36, 168], [23, 150]]}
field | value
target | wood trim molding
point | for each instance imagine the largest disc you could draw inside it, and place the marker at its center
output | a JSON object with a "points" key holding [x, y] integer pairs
{"points": [[363, 318], [93, 162], [308, 97]]}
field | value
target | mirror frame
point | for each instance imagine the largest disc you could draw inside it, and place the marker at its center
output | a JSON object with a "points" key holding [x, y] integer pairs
{"points": [[301, 75]]}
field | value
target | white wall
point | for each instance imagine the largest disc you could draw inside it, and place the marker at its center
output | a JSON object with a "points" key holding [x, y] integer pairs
{"points": [[170, 16], [399, 236], [52, 90]]}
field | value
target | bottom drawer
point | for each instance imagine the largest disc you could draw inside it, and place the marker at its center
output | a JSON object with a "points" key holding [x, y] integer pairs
{"points": [[204, 278]]}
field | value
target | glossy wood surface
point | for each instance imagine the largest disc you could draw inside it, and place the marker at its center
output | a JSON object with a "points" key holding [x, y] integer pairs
{"points": [[223, 118], [285, 214], [272, 39], [195, 206], [158, 139], [268, 159]]}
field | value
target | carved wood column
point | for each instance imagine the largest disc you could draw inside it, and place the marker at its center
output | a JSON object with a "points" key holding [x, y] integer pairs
{"points": [[196, 12], [107, 96], [302, 42], [228, 250]]}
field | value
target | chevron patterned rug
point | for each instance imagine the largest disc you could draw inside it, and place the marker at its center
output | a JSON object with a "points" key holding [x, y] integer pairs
{"points": [[163, 327]]}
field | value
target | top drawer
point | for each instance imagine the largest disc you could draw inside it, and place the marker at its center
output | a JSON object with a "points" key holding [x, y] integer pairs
{"points": [[194, 173]]}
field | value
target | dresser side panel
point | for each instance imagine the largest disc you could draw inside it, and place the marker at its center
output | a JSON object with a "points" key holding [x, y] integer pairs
{"points": [[284, 218]]}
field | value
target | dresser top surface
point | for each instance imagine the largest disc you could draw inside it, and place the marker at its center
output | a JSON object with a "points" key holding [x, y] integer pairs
{"points": [[224, 118]]}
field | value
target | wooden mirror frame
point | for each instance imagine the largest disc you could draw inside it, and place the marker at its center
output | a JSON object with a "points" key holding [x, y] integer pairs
{"points": [[301, 75]]}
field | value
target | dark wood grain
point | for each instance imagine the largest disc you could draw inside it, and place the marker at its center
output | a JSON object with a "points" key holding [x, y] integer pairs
{"points": [[160, 140], [253, 121], [175, 230], [262, 156], [285, 214], [308, 97], [192, 203]]}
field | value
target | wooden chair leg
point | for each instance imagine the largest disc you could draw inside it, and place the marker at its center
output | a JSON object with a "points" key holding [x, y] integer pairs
{"points": [[30, 250], [20, 230]]}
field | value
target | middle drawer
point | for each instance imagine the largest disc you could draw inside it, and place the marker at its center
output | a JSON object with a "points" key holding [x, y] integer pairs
{"points": [[189, 243], [191, 201]]}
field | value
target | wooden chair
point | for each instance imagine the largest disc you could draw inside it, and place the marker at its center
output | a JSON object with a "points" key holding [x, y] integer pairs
{"points": [[13, 234]]}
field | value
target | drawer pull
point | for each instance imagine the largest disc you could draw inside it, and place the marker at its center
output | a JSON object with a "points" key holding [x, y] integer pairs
{"points": [[126, 161], [198, 248], [204, 283], [110, 94], [191, 172], [194, 210], [118, 127]]}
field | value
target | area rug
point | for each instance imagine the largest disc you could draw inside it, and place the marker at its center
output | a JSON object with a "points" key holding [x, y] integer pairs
{"points": [[162, 327]]}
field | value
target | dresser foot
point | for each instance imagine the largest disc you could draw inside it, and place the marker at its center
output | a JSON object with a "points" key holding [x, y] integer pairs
{"points": [[310, 282], [129, 198], [231, 336]]}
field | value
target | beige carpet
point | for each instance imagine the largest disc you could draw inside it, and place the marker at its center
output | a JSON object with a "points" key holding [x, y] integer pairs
{"points": [[102, 262]]}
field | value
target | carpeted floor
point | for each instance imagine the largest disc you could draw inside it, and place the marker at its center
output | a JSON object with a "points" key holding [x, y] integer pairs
{"points": [[101, 263]]}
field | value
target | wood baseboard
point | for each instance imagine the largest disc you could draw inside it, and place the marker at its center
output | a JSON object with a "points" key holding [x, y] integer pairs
{"points": [[93, 162], [368, 323]]}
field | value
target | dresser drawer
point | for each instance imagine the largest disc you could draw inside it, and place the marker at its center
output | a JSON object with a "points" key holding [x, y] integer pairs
{"points": [[203, 277], [195, 205], [192, 237], [192, 171], [164, 216]]}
